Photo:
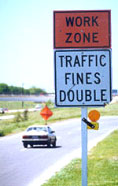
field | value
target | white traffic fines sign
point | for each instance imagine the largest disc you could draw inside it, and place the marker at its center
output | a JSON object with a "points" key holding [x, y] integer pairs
{"points": [[82, 77]]}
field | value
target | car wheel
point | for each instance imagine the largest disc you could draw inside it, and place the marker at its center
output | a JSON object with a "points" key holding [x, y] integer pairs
{"points": [[25, 145], [48, 144], [54, 144], [31, 145]]}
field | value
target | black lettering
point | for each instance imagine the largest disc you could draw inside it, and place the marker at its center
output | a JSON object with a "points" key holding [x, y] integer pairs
{"points": [[79, 96], [69, 21], [61, 57], [94, 21], [97, 76], [103, 94], [68, 61], [68, 38], [83, 59], [86, 37], [80, 79], [88, 96], [77, 37], [76, 62], [90, 59], [95, 96], [78, 21], [96, 60], [95, 37], [101, 60], [67, 77], [73, 79], [62, 95], [70, 95], [88, 78], [87, 20]]}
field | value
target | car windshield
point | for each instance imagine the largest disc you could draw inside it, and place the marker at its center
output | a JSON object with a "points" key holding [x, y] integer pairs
{"points": [[37, 129]]}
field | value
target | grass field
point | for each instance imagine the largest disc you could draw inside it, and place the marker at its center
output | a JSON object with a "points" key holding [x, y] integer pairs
{"points": [[12, 105], [102, 166], [12, 126]]}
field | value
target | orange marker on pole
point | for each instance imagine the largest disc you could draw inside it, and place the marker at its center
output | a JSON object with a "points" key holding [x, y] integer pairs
{"points": [[94, 115]]}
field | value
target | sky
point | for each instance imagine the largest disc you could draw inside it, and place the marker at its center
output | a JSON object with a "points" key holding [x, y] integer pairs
{"points": [[26, 39]]}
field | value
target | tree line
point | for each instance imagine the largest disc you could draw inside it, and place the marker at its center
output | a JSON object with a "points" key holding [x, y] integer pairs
{"points": [[6, 89]]}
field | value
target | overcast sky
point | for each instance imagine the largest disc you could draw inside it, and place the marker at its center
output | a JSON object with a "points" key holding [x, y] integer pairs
{"points": [[26, 39]]}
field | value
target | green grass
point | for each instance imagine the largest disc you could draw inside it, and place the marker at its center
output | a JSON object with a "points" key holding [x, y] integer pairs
{"points": [[10, 126], [102, 166], [103, 162], [11, 105]]}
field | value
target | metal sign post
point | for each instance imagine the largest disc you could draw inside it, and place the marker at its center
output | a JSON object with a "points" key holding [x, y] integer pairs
{"points": [[84, 146]]}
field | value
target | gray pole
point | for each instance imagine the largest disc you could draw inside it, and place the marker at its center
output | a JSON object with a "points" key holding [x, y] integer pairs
{"points": [[84, 146]]}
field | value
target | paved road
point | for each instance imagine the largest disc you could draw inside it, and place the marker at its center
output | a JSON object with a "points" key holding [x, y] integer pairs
{"points": [[23, 167], [41, 98]]}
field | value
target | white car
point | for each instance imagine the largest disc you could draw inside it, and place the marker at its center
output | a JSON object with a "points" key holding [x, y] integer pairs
{"points": [[39, 135], [38, 107], [2, 111]]}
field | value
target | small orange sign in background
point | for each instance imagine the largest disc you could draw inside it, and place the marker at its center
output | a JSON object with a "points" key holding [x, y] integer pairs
{"points": [[46, 113], [94, 115], [82, 29]]}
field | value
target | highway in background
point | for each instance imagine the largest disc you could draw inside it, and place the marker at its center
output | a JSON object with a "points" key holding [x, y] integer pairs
{"points": [[34, 98], [32, 166]]}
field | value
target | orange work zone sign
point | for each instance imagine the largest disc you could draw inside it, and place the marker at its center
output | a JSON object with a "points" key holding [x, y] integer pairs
{"points": [[82, 29], [46, 113]]}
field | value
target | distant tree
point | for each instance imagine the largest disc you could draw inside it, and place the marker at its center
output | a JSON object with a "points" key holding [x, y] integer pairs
{"points": [[26, 91], [15, 90], [5, 89], [35, 90]]}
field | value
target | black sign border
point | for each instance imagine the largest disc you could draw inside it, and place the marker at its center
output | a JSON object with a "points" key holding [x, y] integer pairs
{"points": [[55, 75], [83, 11]]}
